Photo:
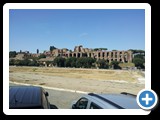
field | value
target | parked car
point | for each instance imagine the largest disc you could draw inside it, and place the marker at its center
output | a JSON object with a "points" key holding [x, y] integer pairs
{"points": [[106, 101], [28, 97]]}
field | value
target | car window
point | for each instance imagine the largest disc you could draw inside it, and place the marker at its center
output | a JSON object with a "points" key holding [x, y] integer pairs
{"points": [[94, 106], [82, 103]]}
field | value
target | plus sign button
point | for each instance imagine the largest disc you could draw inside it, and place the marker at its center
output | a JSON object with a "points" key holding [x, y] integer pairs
{"points": [[147, 99]]}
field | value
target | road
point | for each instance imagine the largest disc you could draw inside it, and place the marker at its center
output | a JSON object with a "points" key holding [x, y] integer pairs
{"points": [[61, 99]]}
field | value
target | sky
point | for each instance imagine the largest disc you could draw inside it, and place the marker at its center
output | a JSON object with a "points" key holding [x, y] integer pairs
{"points": [[114, 29]]}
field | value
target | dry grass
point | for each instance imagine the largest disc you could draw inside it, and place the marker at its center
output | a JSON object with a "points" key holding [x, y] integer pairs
{"points": [[88, 80], [126, 65], [91, 74]]}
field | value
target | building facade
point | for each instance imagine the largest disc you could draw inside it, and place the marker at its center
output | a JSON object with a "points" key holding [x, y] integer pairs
{"points": [[79, 51]]}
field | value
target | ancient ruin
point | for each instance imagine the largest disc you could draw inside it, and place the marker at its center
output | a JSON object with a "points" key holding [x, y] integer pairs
{"points": [[79, 51]]}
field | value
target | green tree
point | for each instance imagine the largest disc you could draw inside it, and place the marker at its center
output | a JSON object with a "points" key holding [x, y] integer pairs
{"points": [[91, 62], [80, 62], [42, 56], [139, 60], [52, 48], [139, 63], [134, 51], [95, 49], [102, 64], [12, 62], [12, 54], [17, 62], [59, 61], [24, 62], [115, 64], [85, 62], [71, 62], [140, 56], [33, 63]]}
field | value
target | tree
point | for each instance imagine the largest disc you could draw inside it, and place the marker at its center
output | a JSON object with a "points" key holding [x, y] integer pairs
{"points": [[11, 62], [12, 54], [134, 51], [37, 51], [90, 62], [59, 61], [139, 60], [115, 64], [24, 62], [71, 62], [95, 49], [33, 63], [17, 62], [103, 49], [52, 48], [42, 56], [85, 62], [140, 56], [139, 63], [102, 64]]}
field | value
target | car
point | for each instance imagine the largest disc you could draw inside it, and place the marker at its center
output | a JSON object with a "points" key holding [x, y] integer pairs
{"points": [[28, 97], [106, 101]]}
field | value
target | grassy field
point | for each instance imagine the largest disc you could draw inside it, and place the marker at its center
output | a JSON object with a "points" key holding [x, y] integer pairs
{"points": [[87, 80], [90, 74]]}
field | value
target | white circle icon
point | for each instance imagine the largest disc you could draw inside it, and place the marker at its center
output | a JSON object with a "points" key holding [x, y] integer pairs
{"points": [[147, 99]]}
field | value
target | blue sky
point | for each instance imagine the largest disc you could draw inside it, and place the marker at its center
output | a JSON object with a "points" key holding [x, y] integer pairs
{"points": [[119, 29]]}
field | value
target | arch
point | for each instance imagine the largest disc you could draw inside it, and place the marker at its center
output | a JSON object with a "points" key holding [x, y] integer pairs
{"points": [[98, 54], [78, 55], [102, 54]]}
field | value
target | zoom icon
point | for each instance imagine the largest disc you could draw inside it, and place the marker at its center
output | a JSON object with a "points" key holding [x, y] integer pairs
{"points": [[147, 99]]}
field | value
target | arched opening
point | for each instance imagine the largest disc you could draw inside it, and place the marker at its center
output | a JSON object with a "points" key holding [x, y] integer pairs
{"points": [[98, 54], [84, 54], [107, 54], [111, 54], [78, 55], [115, 54], [103, 54]]}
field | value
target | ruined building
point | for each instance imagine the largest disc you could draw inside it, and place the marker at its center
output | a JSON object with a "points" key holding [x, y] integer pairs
{"points": [[79, 51]]}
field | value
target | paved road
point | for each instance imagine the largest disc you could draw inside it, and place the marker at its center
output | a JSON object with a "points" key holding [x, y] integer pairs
{"points": [[61, 99]]}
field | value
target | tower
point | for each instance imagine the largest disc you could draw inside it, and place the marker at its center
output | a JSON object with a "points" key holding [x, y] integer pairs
{"points": [[37, 51]]}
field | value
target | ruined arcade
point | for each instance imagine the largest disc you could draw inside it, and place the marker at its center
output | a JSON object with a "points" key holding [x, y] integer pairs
{"points": [[79, 51]]}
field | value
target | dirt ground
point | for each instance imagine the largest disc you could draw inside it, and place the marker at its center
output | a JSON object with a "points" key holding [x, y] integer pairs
{"points": [[87, 80]]}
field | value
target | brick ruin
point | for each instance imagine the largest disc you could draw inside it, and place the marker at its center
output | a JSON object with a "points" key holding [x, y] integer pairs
{"points": [[79, 51]]}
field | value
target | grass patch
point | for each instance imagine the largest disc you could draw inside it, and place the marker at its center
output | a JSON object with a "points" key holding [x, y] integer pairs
{"points": [[124, 65], [34, 69], [90, 74]]}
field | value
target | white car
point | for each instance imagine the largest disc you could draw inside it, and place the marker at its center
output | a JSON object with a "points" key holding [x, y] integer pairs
{"points": [[106, 101]]}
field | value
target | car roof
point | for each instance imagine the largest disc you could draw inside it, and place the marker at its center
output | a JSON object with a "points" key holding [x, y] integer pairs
{"points": [[25, 96], [121, 101]]}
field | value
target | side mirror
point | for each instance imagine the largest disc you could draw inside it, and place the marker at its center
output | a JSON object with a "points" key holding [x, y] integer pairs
{"points": [[46, 94]]}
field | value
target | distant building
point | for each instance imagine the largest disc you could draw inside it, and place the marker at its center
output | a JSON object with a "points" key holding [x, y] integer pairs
{"points": [[79, 51]]}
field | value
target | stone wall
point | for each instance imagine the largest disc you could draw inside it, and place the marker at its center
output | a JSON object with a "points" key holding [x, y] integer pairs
{"points": [[79, 51]]}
